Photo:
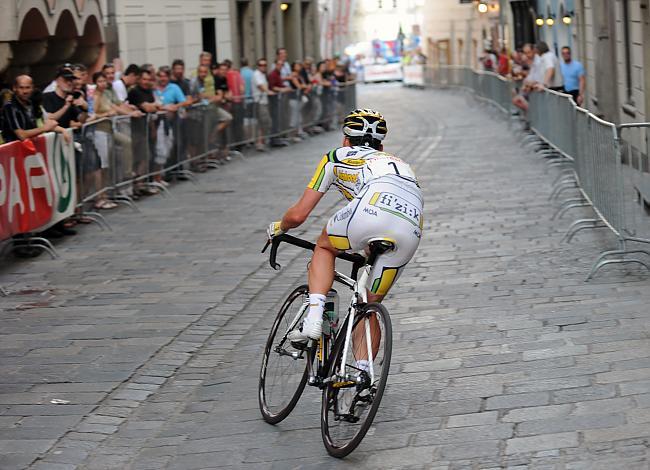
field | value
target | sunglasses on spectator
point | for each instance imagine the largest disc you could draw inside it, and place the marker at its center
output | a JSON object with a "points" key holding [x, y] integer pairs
{"points": [[262, 64]]}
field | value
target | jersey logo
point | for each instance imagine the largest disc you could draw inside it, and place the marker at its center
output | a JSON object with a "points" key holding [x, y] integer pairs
{"points": [[396, 205], [347, 177], [354, 161]]}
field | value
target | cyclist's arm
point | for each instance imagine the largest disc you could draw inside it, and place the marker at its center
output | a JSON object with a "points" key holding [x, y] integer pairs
{"points": [[299, 212]]}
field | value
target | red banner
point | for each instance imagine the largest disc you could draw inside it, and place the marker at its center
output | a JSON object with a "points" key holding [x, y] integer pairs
{"points": [[27, 192]]}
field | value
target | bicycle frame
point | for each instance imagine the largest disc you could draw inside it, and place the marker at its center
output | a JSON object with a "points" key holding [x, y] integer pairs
{"points": [[359, 297]]}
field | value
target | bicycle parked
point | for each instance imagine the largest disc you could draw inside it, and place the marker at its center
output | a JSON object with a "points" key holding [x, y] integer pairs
{"points": [[350, 395]]}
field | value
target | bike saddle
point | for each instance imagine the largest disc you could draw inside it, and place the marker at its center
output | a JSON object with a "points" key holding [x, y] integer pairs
{"points": [[379, 246]]}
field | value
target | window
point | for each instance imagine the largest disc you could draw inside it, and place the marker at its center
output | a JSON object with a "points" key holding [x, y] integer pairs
{"points": [[627, 55]]}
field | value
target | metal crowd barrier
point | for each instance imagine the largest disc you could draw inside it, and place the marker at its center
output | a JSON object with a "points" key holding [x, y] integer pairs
{"points": [[119, 157], [608, 167], [486, 86]]}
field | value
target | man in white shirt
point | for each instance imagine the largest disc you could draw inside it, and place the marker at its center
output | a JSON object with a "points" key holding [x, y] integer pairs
{"points": [[261, 92], [127, 80], [281, 54], [552, 76]]}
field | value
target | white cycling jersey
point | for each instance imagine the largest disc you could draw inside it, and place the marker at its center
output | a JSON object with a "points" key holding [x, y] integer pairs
{"points": [[384, 202], [349, 169]]}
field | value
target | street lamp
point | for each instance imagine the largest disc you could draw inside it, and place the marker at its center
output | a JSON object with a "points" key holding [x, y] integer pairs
{"points": [[567, 18], [550, 21], [284, 6], [539, 21], [482, 7]]}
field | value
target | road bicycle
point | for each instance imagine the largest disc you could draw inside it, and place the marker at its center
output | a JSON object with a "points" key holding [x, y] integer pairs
{"points": [[349, 363]]}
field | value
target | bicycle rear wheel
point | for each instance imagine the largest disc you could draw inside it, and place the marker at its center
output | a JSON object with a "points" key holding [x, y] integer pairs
{"points": [[350, 402], [284, 366]]}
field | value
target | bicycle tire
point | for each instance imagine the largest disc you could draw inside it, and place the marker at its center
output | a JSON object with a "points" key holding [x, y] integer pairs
{"points": [[329, 393], [269, 415]]}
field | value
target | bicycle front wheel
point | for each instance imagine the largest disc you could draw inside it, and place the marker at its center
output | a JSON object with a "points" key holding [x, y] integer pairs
{"points": [[351, 399], [284, 366]]}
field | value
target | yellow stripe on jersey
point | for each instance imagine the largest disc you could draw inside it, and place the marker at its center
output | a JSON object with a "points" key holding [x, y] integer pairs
{"points": [[339, 242], [374, 198], [319, 174]]}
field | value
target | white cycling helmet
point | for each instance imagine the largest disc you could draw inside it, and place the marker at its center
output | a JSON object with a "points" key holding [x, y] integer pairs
{"points": [[362, 122]]}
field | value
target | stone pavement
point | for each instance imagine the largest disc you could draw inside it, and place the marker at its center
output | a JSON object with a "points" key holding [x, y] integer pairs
{"points": [[503, 357]]}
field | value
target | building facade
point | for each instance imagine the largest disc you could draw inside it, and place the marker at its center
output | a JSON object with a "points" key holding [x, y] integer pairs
{"points": [[458, 32], [36, 36], [612, 39], [158, 31]]}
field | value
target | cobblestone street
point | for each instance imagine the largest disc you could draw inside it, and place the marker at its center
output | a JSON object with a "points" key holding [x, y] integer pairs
{"points": [[503, 357]]}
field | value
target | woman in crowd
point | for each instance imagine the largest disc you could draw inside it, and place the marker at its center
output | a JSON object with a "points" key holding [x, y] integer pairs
{"points": [[296, 100], [103, 128]]}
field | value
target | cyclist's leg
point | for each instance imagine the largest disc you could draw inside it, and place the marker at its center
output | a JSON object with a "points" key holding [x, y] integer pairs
{"points": [[321, 271], [321, 268]]}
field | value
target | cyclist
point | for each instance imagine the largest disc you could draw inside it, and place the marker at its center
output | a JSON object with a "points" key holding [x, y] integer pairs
{"points": [[385, 202]]}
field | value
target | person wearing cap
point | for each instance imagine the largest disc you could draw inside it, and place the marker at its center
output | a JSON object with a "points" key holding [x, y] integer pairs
{"points": [[60, 103]]}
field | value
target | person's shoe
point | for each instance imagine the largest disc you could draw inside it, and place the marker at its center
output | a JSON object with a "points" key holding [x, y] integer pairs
{"points": [[67, 231], [296, 139], [235, 153], [310, 329]]}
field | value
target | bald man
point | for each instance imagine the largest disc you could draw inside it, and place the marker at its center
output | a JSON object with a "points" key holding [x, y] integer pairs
{"points": [[19, 115]]}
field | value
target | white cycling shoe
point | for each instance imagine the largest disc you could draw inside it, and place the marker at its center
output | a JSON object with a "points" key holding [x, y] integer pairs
{"points": [[310, 329]]}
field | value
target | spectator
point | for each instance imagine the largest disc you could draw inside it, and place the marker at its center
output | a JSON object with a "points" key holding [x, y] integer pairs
{"points": [[519, 66], [128, 80], [66, 106], [503, 63], [143, 98], [574, 76], [107, 105], [178, 78], [236, 89], [247, 76], [63, 105], [217, 118], [279, 86], [532, 80], [281, 54], [205, 60], [184, 121], [19, 115], [261, 92], [171, 98], [223, 96], [552, 75], [315, 98], [325, 76], [81, 79], [298, 86], [104, 109], [488, 60]]}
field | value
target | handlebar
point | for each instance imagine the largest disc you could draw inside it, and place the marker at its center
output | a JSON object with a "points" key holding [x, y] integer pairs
{"points": [[356, 259]]}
